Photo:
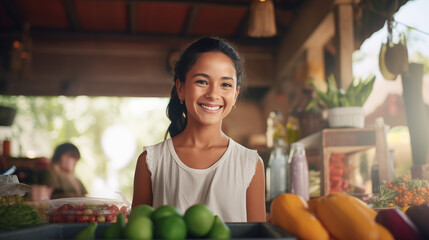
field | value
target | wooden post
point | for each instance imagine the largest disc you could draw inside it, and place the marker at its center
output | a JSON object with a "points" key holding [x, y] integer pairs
{"points": [[382, 151], [418, 123], [344, 35], [316, 65]]}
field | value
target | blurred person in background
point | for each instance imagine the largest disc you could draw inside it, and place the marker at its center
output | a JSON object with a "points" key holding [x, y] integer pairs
{"points": [[61, 178]]}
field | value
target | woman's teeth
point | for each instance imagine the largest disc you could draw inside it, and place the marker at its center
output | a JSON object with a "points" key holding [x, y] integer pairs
{"points": [[210, 108]]}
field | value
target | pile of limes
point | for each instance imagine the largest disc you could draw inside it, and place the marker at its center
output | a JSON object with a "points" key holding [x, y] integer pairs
{"points": [[167, 222]]}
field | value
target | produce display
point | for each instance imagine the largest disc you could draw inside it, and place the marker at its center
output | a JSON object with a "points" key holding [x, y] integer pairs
{"points": [[15, 216], [88, 232], [339, 175], [337, 171], [291, 213], [11, 199], [165, 222], [83, 213], [341, 216], [114, 231], [419, 215], [86, 210], [402, 192], [398, 224], [337, 215]]}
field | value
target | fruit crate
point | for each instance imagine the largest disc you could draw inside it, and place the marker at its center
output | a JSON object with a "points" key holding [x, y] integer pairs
{"points": [[260, 230]]}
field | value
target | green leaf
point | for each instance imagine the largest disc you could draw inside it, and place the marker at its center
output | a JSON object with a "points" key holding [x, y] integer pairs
{"points": [[356, 95], [312, 104]]}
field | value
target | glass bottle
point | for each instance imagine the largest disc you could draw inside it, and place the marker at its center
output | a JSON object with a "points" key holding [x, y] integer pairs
{"points": [[275, 128], [6, 147], [277, 169], [292, 129], [299, 183], [375, 176], [391, 163]]}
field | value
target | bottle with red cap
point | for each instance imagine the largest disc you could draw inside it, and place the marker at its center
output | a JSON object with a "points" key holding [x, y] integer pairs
{"points": [[6, 147]]}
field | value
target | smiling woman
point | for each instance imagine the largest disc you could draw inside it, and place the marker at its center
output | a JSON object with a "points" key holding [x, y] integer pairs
{"points": [[199, 163]]}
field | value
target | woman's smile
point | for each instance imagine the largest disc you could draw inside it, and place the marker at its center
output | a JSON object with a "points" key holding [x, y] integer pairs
{"points": [[210, 108]]}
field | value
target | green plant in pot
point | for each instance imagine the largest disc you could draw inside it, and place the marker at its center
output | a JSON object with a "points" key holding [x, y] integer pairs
{"points": [[344, 106]]}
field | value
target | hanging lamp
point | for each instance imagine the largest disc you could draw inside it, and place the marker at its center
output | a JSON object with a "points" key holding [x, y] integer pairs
{"points": [[262, 21]]}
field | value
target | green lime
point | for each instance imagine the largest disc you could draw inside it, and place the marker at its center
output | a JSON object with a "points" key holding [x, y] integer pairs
{"points": [[88, 232], [165, 211], [141, 210], [114, 230], [170, 227], [139, 227], [199, 219], [219, 230]]}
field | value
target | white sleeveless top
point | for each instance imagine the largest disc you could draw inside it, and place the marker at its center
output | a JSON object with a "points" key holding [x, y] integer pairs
{"points": [[222, 186]]}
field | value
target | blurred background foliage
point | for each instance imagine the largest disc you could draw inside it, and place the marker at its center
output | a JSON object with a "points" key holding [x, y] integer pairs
{"points": [[42, 123]]}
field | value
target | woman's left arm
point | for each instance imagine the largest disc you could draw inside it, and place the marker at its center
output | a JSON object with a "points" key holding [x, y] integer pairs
{"points": [[255, 203]]}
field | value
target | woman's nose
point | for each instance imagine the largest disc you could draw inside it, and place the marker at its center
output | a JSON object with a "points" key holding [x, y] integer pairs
{"points": [[212, 92]]}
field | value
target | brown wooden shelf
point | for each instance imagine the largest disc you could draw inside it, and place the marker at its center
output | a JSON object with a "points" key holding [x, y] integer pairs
{"points": [[346, 140]]}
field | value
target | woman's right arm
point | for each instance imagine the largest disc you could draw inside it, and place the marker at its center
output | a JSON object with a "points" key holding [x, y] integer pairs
{"points": [[142, 183]]}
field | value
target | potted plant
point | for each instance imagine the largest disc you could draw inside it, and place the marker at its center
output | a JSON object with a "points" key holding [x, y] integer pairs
{"points": [[344, 107]]}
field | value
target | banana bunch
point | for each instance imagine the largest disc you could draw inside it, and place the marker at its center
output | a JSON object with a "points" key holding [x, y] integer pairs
{"points": [[393, 58]]}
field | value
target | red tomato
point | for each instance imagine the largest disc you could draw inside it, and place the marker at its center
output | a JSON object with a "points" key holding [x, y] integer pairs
{"points": [[91, 219]]}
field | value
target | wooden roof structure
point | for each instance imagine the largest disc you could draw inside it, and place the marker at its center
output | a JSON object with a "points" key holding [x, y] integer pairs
{"points": [[123, 47]]}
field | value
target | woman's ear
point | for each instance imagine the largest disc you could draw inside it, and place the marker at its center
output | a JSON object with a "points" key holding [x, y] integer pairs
{"points": [[236, 94], [180, 89]]}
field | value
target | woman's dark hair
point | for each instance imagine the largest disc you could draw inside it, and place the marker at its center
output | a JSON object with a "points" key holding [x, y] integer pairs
{"points": [[176, 111], [65, 148]]}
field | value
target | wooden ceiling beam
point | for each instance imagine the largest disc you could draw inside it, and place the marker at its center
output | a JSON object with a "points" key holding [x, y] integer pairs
{"points": [[132, 17], [283, 5], [190, 21], [242, 27], [71, 15], [293, 43], [194, 2]]}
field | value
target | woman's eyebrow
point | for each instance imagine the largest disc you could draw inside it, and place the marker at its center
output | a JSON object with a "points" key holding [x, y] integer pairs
{"points": [[200, 75], [228, 78], [207, 76]]}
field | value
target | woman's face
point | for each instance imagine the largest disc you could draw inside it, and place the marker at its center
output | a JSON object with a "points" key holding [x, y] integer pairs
{"points": [[68, 163], [210, 89]]}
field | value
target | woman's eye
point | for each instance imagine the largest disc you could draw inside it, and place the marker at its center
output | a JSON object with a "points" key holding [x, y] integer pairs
{"points": [[226, 85], [201, 82]]}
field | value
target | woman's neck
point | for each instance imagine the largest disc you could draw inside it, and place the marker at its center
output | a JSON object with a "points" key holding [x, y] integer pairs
{"points": [[202, 137]]}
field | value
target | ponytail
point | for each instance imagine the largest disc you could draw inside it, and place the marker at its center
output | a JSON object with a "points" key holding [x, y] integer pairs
{"points": [[176, 112]]}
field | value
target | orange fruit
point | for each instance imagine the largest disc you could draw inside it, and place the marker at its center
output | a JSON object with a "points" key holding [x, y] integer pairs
{"points": [[199, 219]]}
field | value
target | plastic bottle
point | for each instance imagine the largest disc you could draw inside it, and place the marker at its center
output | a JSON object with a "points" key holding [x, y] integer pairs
{"points": [[299, 171], [277, 169]]}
